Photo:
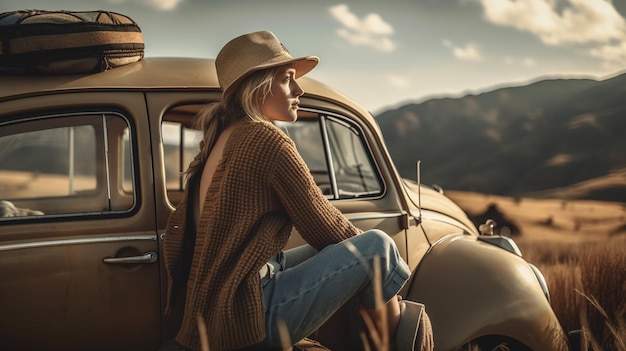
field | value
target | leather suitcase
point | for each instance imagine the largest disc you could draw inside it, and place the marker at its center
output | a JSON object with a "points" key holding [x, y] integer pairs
{"points": [[65, 42]]}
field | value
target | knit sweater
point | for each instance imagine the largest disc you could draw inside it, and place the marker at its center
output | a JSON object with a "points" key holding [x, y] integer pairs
{"points": [[261, 188]]}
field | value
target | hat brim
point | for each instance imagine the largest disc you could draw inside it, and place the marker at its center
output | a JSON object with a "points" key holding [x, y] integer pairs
{"points": [[303, 65]]}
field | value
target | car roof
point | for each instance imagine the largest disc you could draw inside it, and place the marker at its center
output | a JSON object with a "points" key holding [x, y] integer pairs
{"points": [[151, 73]]}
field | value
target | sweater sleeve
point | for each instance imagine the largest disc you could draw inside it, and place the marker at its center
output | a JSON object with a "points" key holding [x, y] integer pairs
{"points": [[315, 218]]}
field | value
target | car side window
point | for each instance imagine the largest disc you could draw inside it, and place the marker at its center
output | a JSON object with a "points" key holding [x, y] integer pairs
{"points": [[180, 146], [70, 164], [337, 154], [334, 149], [354, 169]]}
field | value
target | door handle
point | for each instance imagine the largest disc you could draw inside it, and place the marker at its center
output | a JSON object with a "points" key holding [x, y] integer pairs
{"points": [[148, 257]]}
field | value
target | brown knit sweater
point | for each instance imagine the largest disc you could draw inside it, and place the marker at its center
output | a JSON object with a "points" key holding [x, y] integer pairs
{"points": [[260, 190]]}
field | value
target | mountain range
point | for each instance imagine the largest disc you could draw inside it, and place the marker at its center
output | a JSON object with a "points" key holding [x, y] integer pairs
{"points": [[563, 138]]}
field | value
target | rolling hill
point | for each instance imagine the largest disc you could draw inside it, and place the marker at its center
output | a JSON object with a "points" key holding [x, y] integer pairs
{"points": [[559, 137]]}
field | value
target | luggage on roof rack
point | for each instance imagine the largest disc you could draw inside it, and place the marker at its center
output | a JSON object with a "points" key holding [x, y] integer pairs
{"points": [[65, 42]]}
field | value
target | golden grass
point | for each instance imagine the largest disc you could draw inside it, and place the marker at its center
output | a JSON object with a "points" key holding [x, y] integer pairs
{"points": [[204, 337], [564, 221], [376, 323], [15, 184], [587, 282], [580, 246]]}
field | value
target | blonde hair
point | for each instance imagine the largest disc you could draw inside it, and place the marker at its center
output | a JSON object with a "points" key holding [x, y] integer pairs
{"points": [[245, 101]]}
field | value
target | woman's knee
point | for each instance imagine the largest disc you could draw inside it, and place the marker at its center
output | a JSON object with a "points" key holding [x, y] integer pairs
{"points": [[381, 239], [378, 242]]}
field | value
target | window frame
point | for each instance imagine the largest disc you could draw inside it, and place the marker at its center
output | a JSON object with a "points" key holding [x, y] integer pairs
{"points": [[103, 150], [323, 117]]}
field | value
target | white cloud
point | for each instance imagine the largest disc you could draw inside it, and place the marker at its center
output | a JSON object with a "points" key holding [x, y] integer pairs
{"points": [[526, 61], [568, 22], [165, 5], [614, 55], [580, 21], [399, 81], [470, 52], [370, 31]]}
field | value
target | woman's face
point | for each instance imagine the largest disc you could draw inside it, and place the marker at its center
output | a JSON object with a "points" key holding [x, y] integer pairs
{"points": [[281, 104]]}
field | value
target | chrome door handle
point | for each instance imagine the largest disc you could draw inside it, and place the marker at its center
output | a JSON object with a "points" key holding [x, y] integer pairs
{"points": [[148, 257]]}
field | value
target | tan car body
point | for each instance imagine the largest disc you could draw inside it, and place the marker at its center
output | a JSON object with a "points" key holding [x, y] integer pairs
{"points": [[94, 280]]}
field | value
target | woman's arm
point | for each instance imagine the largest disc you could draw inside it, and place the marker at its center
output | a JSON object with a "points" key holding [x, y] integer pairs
{"points": [[315, 218]]}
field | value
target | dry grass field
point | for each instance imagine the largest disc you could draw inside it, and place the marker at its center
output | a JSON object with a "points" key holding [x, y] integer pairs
{"points": [[580, 246]]}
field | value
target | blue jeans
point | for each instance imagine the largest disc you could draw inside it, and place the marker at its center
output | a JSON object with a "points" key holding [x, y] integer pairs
{"points": [[307, 287]]}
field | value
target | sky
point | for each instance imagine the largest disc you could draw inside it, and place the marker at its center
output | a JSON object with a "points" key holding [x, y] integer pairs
{"points": [[387, 53]]}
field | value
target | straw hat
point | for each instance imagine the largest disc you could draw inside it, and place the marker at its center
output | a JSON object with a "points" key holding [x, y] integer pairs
{"points": [[252, 52]]}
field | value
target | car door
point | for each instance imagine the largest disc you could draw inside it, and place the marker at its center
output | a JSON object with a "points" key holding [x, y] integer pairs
{"points": [[78, 246], [176, 142]]}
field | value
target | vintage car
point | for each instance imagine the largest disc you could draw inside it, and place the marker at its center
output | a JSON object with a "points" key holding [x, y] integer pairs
{"points": [[90, 169]]}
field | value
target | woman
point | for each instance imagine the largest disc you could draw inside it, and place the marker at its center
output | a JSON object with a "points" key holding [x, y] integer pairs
{"points": [[247, 188]]}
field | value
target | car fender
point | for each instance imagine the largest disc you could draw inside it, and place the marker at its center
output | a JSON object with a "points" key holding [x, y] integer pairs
{"points": [[475, 289]]}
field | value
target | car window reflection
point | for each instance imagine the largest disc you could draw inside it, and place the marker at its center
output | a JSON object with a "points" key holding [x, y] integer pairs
{"points": [[58, 164]]}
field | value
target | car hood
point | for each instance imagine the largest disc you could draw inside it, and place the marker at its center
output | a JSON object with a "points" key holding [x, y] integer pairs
{"points": [[433, 200]]}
